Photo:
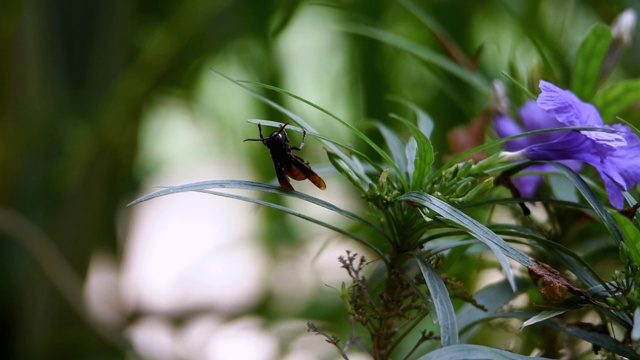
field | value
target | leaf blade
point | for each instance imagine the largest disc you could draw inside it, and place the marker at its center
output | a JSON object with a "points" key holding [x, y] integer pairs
{"points": [[427, 55], [205, 186], [592, 199], [475, 352], [497, 245], [591, 54], [445, 312]]}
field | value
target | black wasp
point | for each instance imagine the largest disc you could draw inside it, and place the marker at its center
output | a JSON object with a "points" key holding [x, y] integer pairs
{"points": [[286, 163]]}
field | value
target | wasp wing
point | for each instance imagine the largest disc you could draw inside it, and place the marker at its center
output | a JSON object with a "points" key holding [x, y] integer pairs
{"points": [[298, 169], [282, 178]]}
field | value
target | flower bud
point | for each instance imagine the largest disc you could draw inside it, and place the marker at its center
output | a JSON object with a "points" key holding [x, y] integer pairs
{"points": [[477, 191], [622, 32], [624, 26]]}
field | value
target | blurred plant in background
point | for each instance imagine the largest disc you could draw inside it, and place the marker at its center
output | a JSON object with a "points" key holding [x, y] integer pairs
{"points": [[79, 85]]}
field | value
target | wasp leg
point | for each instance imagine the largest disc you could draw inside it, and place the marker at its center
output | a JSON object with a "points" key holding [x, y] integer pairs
{"points": [[260, 129], [304, 134]]}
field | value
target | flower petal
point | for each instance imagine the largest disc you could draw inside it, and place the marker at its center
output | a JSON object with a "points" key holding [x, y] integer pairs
{"points": [[566, 107], [506, 126], [615, 154], [621, 168], [536, 118], [572, 146], [569, 110]]}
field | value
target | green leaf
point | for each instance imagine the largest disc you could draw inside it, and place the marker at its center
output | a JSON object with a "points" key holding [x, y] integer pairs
{"points": [[423, 120], [635, 333], [445, 313], [592, 337], [205, 186], [568, 258], [355, 174], [419, 155], [545, 315], [475, 352], [592, 199], [586, 71], [519, 85], [396, 147], [411, 154], [614, 99], [419, 150], [602, 340], [422, 159], [452, 215]]}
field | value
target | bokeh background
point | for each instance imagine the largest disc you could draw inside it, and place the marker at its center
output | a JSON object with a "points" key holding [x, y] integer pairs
{"points": [[100, 101]]}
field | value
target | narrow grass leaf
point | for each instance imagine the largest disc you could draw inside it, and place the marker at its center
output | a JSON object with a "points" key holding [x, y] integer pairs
{"points": [[456, 217], [396, 147], [545, 315], [419, 150], [411, 154], [635, 332], [419, 155], [592, 199], [354, 174], [423, 120], [591, 54], [568, 258], [445, 312], [520, 85], [592, 337], [475, 352], [256, 186], [302, 216], [422, 160], [427, 55], [602, 340]]}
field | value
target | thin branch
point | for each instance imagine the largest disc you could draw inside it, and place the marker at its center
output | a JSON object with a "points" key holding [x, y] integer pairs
{"points": [[331, 339]]}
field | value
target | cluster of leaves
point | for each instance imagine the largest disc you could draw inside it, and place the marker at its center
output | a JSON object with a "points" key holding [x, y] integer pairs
{"points": [[422, 217]]}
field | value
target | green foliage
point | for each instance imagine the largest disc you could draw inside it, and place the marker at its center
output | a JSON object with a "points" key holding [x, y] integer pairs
{"points": [[428, 211], [591, 55], [418, 209]]}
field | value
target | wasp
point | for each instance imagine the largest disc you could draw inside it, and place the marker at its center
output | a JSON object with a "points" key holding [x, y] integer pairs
{"points": [[287, 164]]}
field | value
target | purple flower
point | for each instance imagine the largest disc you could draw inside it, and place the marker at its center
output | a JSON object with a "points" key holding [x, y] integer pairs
{"points": [[615, 155]]}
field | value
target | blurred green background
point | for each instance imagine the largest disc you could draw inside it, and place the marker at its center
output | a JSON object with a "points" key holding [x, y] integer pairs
{"points": [[85, 86]]}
